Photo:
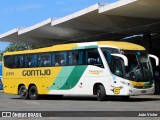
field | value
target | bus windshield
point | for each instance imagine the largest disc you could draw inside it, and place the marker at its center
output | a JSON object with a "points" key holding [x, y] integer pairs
{"points": [[139, 68]]}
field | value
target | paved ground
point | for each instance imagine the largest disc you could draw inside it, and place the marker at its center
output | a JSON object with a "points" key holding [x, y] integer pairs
{"points": [[81, 103]]}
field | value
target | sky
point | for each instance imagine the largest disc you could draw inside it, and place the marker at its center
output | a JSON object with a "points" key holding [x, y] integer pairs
{"points": [[25, 13]]}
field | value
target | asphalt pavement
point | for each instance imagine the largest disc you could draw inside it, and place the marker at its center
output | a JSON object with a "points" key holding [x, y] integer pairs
{"points": [[81, 103]]}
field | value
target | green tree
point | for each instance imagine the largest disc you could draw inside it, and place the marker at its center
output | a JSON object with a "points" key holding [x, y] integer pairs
{"points": [[19, 47]]}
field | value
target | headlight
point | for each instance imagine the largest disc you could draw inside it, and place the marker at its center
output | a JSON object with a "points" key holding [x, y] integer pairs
{"points": [[126, 83]]}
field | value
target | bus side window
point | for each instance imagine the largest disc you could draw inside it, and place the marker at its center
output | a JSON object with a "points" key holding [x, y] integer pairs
{"points": [[72, 57], [39, 61], [47, 61], [9, 61], [31, 60], [56, 59], [19, 61], [34, 60], [44, 60], [81, 57], [60, 59], [93, 57], [53, 59], [75, 57]]}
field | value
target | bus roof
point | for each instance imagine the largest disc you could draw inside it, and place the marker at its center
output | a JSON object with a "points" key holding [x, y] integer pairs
{"points": [[61, 47], [117, 20]]}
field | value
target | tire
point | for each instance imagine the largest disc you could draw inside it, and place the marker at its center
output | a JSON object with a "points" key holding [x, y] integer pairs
{"points": [[101, 93], [23, 92], [33, 93]]}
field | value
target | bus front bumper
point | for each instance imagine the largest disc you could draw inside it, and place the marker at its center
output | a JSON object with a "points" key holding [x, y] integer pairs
{"points": [[134, 91]]}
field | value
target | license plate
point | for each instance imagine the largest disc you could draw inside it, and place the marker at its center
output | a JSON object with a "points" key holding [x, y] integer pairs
{"points": [[143, 91]]}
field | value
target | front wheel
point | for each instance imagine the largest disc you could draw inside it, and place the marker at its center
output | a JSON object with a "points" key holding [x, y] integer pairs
{"points": [[101, 93], [23, 92], [33, 93]]}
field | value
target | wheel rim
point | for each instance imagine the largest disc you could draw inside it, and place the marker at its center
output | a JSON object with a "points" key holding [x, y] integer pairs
{"points": [[98, 93], [33, 93], [23, 93]]}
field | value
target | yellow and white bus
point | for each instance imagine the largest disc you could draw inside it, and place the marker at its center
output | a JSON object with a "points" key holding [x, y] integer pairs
{"points": [[104, 68]]}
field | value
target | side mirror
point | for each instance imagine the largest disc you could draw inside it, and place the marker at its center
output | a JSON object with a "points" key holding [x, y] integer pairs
{"points": [[125, 59], [156, 59]]}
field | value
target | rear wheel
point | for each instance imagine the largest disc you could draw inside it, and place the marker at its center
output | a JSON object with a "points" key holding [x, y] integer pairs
{"points": [[33, 93], [101, 93], [23, 92]]}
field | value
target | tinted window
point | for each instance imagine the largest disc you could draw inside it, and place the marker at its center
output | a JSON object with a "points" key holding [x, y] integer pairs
{"points": [[73, 57], [107, 54], [9, 61], [93, 57], [117, 67], [44, 59], [81, 57], [31, 60], [60, 59], [63, 58], [76, 57], [115, 63], [19, 61]]}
